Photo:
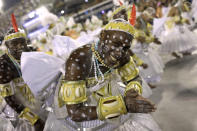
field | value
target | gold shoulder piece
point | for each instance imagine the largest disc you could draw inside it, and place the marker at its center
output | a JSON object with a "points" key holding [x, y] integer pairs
{"points": [[73, 92], [129, 71], [111, 107]]}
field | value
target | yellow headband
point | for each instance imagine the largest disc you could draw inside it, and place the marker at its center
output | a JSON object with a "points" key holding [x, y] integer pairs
{"points": [[14, 35], [121, 25]]}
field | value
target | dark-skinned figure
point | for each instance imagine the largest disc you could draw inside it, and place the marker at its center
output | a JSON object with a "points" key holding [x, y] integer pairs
{"points": [[101, 86], [17, 100], [145, 55]]}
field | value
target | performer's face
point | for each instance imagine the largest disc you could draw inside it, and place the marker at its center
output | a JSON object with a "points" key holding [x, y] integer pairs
{"points": [[115, 46], [122, 14], [16, 47]]}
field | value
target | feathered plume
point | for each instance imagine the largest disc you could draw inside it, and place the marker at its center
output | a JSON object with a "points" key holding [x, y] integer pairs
{"points": [[133, 16], [14, 24], [120, 3]]}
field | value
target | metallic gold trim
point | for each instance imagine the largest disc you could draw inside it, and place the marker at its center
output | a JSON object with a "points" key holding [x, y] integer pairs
{"points": [[128, 71], [24, 89], [14, 35], [121, 26], [91, 81], [105, 91], [6, 90], [134, 85], [110, 107], [73, 92], [28, 115]]}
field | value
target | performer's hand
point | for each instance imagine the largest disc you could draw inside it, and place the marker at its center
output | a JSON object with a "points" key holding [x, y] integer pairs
{"points": [[137, 104], [144, 65]]}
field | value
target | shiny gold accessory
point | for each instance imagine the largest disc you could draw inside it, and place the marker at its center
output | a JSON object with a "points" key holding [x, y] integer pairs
{"points": [[111, 107], [28, 115], [121, 25], [98, 57], [128, 71], [105, 91], [15, 35], [134, 85], [73, 92], [6, 90], [24, 89], [91, 81]]}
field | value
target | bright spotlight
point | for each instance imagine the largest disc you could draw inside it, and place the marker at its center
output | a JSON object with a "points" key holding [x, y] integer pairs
{"points": [[62, 11]]}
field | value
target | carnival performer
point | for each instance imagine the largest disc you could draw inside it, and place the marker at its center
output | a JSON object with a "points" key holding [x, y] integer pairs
{"points": [[18, 103], [124, 13], [144, 53], [177, 25], [102, 87]]}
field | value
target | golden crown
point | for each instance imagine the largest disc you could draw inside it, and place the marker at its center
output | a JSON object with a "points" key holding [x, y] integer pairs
{"points": [[14, 35], [121, 25]]}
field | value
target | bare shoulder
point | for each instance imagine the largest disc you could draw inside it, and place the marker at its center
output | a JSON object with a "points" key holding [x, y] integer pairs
{"points": [[78, 64]]}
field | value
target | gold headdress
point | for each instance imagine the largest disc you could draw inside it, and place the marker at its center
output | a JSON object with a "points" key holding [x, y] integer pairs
{"points": [[120, 25], [123, 25], [17, 33]]}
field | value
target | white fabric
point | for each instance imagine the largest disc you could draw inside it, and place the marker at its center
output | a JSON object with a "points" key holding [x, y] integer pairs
{"points": [[39, 69], [183, 40], [87, 38], [63, 46], [194, 10], [48, 18], [117, 2], [71, 22], [139, 122], [158, 26], [5, 125]]}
